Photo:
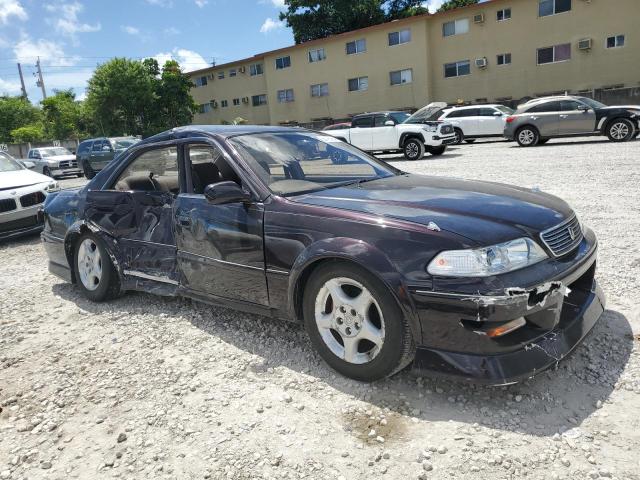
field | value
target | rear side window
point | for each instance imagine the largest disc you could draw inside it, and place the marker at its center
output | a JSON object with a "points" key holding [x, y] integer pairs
{"points": [[467, 112], [487, 112], [545, 107], [363, 122]]}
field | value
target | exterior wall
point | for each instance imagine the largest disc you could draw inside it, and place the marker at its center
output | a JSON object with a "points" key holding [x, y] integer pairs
{"points": [[427, 54]]}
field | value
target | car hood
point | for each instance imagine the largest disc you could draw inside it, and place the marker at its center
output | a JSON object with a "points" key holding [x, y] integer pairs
{"points": [[21, 178], [483, 212], [59, 158]]}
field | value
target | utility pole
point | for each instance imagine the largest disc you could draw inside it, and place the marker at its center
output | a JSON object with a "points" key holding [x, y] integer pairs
{"points": [[24, 90], [40, 81]]}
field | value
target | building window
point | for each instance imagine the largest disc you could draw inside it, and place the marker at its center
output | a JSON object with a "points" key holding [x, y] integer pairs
{"points": [[557, 53], [258, 100], [224, 103], [457, 27], [398, 38], [612, 42], [255, 69], [504, 14], [357, 46], [553, 7], [220, 75], [317, 55], [285, 96], [233, 72], [401, 76], [320, 90], [283, 62], [504, 59], [200, 81], [236, 102], [457, 69], [204, 108], [358, 84]]}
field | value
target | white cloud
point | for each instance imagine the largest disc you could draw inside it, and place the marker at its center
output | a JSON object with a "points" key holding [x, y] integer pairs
{"points": [[433, 5], [161, 3], [188, 59], [171, 31], [130, 30], [201, 3], [27, 51], [278, 3], [66, 20], [9, 88], [64, 80], [270, 24], [11, 8]]}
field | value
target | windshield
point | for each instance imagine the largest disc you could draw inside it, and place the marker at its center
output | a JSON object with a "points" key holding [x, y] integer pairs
{"points": [[504, 109], [426, 114], [52, 152], [8, 164], [122, 143], [399, 117], [592, 103], [301, 162]]}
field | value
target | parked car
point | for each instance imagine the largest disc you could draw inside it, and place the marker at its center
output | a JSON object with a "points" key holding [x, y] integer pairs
{"points": [[94, 154], [54, 162], [22, 193], [480, 281], [390, 132], [337, 126], [471, 122], [539, 120]]}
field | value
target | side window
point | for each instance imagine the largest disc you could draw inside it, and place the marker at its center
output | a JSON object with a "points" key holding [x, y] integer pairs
{"points": [[570, 105], [379, 120], [487, 112], [545, 108], [208, 165], [97, 146], [30, 154], [363, 122], [152, 171]]}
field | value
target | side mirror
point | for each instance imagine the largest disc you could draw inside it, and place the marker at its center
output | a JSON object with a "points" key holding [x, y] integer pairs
{"points": [[498, 114], [389, 123], [106, 148], [29, 165], [225, 192], [583, 108]]}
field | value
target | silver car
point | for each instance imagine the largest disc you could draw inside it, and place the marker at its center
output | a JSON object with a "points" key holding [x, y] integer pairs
{"points": [[54, 161], [539, 120]]}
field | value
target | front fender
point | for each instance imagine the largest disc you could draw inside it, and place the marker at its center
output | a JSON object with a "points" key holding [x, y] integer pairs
{"points": [[361, 253]]}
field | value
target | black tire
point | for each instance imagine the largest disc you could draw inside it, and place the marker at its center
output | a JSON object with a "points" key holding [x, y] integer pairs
{"points": [[47, 171], [459, 136], [437, 151], [398, 348], [88, 171], [413, 149], [527, 136], [80, 175], [621, 130], [469, 140], [109, 286]]}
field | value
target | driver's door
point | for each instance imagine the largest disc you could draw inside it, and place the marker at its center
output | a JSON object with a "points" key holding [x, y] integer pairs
{"points": [[220, 247], [383, 136], [135, 211]]}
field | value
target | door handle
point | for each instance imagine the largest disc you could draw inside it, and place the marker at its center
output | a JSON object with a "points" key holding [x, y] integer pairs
{"points": [[184, 221]]}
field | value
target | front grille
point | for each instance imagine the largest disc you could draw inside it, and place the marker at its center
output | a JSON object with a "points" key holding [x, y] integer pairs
{"points": [[563, 238], [68, 164], [20, 224], [32, 199], [446, 129], [7, 205]]}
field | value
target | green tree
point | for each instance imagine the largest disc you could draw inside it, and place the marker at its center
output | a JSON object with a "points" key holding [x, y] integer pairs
{"points": [[61, 115], [28, 133], [453, 4], [16, 112], [312, 19], [174, 98]]}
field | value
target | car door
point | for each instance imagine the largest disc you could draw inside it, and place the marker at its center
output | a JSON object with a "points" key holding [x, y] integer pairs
{"points": [[135, 210], [220, 247], [466, 119], [576, 118], [360, 132], [545, 117], [490, 121], [383, 137]]}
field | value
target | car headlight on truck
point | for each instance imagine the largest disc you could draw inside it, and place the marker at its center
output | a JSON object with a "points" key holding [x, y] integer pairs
{"points": [[487, 261], [431, 128], [52, 187]]}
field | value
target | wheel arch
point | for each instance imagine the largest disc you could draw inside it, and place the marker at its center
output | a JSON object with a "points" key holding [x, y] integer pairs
{"points": [[409, 135], [619, 116]]}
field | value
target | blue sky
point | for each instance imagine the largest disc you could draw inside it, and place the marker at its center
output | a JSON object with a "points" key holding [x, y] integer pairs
{"points": [[73, 36]]}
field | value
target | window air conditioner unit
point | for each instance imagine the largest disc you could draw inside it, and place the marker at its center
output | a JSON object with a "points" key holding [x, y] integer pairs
{"points": [[245, 99], [214, 104], [481, 62], [479, 18], [585, 44], [242, 69]]}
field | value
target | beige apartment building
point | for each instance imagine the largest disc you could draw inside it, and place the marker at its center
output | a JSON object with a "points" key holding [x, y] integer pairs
{"points": [[498, 51]]}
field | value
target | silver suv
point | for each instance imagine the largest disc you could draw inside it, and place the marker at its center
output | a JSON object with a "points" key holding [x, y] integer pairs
{"points": [[541, 119]]}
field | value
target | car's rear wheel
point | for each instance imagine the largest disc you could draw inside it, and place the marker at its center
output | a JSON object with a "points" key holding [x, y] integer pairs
{"points": [[413, 149], [355, 324], [459, 136], [94, 271], [436, 151], [621, 130], [527, 136]]}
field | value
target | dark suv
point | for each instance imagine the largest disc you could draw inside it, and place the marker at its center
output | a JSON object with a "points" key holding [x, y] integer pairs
{"points": [[94, 154]]}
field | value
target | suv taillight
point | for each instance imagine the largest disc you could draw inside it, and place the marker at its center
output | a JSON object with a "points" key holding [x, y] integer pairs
{"points": [[511, 119]]}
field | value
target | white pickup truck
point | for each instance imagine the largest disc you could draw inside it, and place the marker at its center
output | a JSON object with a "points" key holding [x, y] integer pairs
{"points": [[397, 131]]}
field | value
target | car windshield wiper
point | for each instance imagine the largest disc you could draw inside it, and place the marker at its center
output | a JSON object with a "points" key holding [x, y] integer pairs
{"points": [[356, 182]]}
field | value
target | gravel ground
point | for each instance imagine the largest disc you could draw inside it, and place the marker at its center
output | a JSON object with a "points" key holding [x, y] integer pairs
{"points": [[146, 387]]}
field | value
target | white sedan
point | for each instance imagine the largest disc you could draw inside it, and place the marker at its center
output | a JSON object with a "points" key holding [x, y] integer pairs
{"points": [[22, 193]]}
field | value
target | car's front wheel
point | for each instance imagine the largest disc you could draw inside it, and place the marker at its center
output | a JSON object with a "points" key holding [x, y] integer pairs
{"points": [[94, 271], [47, 172], [88, 171], [413, 149], [527, 136], [355, 324], [459, 136], [621, 130]]}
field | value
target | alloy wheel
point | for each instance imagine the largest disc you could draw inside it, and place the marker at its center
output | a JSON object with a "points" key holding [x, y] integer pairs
{"points": [[412, 150], [619, 130], [526, 137], [89, 264], [349, 320]]}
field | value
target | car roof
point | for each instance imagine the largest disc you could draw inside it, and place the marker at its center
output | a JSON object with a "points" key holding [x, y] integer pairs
{"points": [[462, 107], [224, 131], [385, 112]]}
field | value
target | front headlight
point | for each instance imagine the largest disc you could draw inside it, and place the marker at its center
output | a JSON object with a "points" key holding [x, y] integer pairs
{"points": [[52, 187], [484, 262], [431, 128]]}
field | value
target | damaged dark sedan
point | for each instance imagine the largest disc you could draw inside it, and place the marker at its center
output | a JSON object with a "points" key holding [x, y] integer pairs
{"points": [[480, 281]]}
